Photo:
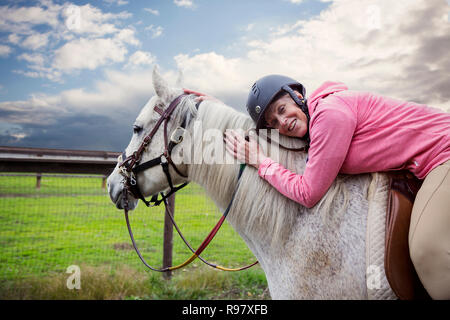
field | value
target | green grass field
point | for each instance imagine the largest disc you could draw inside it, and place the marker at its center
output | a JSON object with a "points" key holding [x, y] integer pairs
{"points": [[71, 221]]}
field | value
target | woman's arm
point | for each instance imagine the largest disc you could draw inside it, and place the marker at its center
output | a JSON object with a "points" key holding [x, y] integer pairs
{"points": [[331, 134], [201, 96]]}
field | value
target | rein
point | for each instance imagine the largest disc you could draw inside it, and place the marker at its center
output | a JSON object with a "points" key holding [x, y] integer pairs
{"points": [[130, 167]]}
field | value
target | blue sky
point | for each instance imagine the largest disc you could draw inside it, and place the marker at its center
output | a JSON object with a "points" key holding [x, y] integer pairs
{"points": [[206, 25], [74, 74]]}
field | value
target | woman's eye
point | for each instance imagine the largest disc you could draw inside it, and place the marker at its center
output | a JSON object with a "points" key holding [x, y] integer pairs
{"points": [[137, 129], [281, 110]]}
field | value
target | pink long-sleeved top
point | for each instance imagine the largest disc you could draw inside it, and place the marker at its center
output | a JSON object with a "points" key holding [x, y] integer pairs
{"points": [[359, 132]]}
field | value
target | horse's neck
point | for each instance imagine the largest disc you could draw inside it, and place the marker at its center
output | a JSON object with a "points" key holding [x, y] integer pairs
{"points": [[218, 179]]}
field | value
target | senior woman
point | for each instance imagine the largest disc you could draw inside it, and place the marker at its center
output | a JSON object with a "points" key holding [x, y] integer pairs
{"points": [[355, 132]]}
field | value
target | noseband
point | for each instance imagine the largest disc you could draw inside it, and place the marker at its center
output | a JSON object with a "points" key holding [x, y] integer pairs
{"points": [[130, 167]]}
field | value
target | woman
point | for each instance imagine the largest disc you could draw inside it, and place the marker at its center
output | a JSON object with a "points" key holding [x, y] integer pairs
{"points": [[359, 132]]}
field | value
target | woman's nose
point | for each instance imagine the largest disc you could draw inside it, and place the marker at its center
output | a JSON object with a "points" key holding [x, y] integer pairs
{"points": [[284, 122]]}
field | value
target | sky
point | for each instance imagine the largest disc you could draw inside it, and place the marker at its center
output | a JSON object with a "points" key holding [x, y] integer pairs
{"points": [[75, 74]]}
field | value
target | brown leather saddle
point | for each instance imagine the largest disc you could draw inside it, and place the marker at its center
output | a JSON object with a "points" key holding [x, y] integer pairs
{"points": [[399, 268]]}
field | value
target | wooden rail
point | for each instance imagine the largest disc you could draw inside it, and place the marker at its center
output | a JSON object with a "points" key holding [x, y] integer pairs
{"points": [[16, 159]]}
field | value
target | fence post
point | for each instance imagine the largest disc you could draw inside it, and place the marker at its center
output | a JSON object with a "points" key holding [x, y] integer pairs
{"points": [[168, 236], [38, 180]]}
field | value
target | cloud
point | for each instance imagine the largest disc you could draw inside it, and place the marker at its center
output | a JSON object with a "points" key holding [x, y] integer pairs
{"points": [[22, 19], [285, 29], [41, 109], [184, 3], [74, 131], [35, 41], [396, 49], [156, 31], [14, 39], [75, 37], [73, 117], [140, 58], [91, 53], [36, 62], [88, 54], [200, 69], [127, 36], [152, 11], [117, 2], [120, 95], [4, 50], [89, 20], [249, 27], [34, 59]]}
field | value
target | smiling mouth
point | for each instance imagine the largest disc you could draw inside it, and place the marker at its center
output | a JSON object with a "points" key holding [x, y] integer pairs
{"points": [[292, 125]]}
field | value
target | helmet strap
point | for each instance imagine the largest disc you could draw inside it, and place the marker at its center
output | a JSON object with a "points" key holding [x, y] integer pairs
{"points": [[302, 103]]}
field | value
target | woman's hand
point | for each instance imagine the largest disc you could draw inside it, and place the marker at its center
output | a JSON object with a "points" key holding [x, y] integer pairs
{"points": [[247, 151], [201, 96]]}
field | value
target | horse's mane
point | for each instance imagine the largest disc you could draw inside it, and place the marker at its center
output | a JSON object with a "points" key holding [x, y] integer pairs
{"points": [[258, 207], [267, 207]]}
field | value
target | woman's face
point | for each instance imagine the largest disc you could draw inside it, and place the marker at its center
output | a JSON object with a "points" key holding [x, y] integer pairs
{"points": [[284, 114]]}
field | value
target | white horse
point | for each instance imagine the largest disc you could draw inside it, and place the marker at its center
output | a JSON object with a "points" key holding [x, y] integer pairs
{"points": [[317, 253]]}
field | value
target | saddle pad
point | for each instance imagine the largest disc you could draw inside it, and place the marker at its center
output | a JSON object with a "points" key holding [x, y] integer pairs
{"points": [[378, 287]]}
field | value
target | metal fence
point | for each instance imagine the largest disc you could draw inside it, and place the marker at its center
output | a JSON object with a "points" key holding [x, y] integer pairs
{"points": [[50, 221]]}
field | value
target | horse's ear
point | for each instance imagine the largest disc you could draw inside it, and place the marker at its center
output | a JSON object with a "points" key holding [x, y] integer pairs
{"points": [[180, 79], [160, 85]]}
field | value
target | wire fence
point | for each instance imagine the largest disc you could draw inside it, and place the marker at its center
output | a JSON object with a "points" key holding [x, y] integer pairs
{"points": [[49, 222]]}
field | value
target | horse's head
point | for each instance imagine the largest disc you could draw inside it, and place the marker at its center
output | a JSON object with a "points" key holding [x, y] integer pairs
{"points": [[156, 132]]}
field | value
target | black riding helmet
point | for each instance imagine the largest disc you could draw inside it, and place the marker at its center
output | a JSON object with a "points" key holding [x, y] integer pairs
{"points": [[266, 90]]}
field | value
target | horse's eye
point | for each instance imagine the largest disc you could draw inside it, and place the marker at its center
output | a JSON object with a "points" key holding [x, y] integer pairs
{"points": [[137, 129]]}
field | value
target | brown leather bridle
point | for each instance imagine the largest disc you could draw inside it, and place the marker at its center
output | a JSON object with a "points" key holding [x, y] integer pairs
{"points": [[129, 167]]}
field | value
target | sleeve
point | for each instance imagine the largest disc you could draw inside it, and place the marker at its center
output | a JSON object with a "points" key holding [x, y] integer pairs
{"points": [[331, 134]]}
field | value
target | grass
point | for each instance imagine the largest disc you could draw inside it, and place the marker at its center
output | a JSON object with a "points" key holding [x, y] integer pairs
{"points": [[71, 221], [125, 283]]}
